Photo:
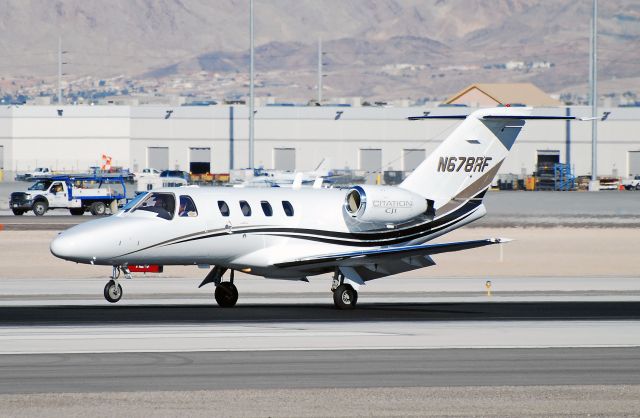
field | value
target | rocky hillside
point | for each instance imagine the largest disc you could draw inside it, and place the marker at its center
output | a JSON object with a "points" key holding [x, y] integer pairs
{"points": [[375, 48]]}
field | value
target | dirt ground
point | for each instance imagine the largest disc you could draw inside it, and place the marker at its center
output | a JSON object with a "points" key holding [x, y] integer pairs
{"points": [[535, 252]]}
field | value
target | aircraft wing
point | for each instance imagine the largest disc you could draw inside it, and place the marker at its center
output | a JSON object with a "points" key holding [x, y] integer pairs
{"points": [[362, 257]]}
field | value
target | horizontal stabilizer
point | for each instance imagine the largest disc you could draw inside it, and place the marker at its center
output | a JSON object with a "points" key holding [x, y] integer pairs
{"points": [[489, 117], [604, 117], [362, 257]]}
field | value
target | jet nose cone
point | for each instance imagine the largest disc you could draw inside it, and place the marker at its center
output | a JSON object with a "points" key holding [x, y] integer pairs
{"points": [[62, 247]]}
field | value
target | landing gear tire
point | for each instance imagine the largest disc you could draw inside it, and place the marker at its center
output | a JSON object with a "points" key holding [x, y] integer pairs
{"points": [[17, 212], [40, 208], [77, 211], [112, 291], [226, 295], [98, 208], [345, 297]]}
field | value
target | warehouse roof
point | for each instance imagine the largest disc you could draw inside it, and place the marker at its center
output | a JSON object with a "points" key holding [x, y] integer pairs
{"points": [[503, 93]]}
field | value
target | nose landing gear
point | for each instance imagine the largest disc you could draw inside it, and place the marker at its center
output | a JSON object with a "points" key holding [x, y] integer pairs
{"points": [[113, 290]]}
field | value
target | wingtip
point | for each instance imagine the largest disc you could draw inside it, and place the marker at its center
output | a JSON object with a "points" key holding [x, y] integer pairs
{"points": [[500, 240]]}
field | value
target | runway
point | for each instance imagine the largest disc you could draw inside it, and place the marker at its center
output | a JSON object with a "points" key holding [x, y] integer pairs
{"points": [[317, 369], [475, 356], [103, 314]]}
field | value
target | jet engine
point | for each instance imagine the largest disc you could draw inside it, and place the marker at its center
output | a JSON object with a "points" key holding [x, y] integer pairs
{"points": [[384, 204]]}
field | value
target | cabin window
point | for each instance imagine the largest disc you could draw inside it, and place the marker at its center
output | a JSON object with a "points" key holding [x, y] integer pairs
{"points": [[266, 208], [224, 208], [288, 207], [187, 207], [245, 208], [162, 204]]}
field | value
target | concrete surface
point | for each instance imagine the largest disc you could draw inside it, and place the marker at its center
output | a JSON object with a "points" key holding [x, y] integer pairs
{"points": [[535, 252], [401, 289], [272, 334], [520, 401]]}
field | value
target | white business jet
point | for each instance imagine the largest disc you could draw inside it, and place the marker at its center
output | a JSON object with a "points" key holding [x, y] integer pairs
{"points": [[358, 234]]}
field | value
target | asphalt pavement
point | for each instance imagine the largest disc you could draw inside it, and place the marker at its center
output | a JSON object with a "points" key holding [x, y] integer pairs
{"points": [[317, 369], [277, 313]]}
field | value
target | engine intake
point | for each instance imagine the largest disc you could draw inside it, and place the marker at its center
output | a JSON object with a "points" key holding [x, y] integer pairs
{"points": [[383, 204]]}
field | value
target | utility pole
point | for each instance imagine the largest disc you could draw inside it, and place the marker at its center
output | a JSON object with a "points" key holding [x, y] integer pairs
{"points": [[594, 184], [60, 64], [319, 71], [251, 93], [60, 70]]}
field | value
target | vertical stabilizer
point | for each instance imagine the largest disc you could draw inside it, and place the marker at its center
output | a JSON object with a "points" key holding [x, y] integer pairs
{"points": [[464, 164]]}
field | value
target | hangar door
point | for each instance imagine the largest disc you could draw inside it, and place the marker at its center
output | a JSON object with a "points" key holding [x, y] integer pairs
{"points": [[371, 160], [200, 160], [413, 158], [284, 159], [634, 163], [158, 158]]}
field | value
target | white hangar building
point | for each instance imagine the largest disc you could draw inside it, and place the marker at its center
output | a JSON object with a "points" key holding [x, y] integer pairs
{"points": [[215, 138]]}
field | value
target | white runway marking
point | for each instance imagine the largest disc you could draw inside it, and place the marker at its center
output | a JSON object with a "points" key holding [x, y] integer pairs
{"points": [[318, 336]]}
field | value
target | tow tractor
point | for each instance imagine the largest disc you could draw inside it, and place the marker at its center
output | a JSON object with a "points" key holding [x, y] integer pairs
{"points": [[78, 194]]}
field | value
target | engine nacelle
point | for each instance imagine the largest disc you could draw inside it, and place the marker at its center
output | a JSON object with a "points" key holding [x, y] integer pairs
{"points": [[384, 204]]}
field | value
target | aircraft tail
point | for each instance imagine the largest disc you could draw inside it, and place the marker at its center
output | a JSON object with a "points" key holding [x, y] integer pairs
{"points": [[463, 166]]}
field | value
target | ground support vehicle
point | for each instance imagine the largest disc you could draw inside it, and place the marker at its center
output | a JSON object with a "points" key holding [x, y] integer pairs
{"points": [[632, 184], [78, 194]]}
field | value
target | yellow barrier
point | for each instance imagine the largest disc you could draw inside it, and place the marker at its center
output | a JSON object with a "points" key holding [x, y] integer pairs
{"points": [[530, 183], [1, 175]]}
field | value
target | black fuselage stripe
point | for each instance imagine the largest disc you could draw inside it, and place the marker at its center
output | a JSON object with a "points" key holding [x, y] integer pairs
{"points": [[345, 238], [375, 243], [359, 239]]}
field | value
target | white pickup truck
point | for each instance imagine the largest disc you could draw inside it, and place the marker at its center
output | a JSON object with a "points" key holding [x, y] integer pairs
{"points": [[147, 172], [632, 184], [77, 194], [39, 172]]}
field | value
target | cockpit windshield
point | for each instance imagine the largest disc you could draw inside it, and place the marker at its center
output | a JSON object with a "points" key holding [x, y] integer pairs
{"points": [[133, 202], [40, 185], [163, 204]]}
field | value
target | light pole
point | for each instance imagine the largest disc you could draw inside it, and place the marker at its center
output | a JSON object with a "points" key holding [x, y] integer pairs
{"points": [[60, 63], [594, 184], [319, 71], [251, 93]]}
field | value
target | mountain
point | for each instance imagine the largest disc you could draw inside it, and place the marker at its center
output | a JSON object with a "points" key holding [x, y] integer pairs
{"points": [[374, 48]]}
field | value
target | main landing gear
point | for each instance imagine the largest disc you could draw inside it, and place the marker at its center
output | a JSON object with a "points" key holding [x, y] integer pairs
{"points": [[344, 295], [113, 290], [226, 293]]}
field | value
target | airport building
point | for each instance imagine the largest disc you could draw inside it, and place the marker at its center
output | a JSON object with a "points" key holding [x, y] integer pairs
{"points": [[364, 139]]}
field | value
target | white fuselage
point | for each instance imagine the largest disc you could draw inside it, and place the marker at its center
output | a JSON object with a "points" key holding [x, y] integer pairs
{"points": [[253, 243]]}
